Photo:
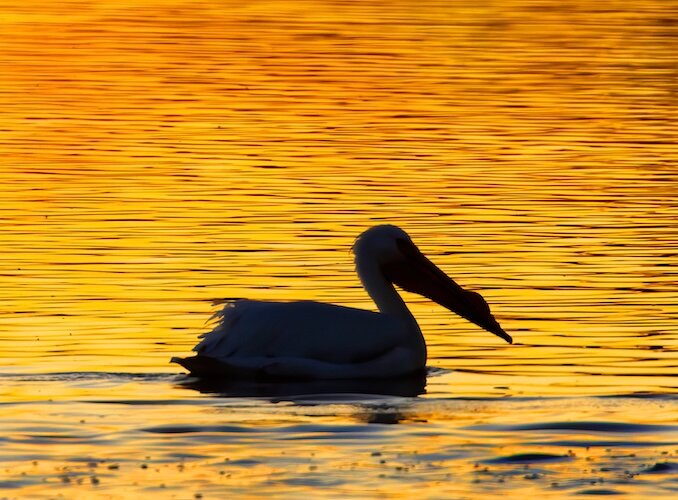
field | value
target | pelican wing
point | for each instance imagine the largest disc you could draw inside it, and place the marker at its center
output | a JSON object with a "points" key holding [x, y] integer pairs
{"points": [[308, 330]]}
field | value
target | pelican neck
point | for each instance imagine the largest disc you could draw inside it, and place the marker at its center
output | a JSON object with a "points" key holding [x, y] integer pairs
{"points": [[382, 291]]}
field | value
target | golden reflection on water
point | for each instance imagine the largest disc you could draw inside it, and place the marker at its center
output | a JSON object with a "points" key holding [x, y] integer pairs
{"points": [[159, 155]]}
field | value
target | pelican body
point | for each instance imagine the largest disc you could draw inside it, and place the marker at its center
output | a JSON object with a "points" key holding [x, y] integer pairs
{"points": [[315, 340]]}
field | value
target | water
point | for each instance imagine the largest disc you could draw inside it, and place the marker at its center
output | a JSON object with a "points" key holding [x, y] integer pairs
{"points": [[158, 156]]}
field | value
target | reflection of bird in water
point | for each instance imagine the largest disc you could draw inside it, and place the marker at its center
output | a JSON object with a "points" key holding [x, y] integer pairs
{"points": [[325, 341], [307, 391]]}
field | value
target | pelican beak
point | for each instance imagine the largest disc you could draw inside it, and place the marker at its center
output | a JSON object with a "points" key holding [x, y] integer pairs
{"points": [[419, 275]]}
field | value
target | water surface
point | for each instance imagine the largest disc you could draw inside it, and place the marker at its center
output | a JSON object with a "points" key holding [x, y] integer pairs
{"points": [[158, 156]]}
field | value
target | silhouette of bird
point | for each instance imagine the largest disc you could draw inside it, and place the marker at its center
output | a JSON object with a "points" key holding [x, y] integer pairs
{"points": [[322, 341]]}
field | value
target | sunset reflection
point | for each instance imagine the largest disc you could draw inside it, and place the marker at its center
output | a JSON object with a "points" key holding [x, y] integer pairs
{"points": [[160, 156]]}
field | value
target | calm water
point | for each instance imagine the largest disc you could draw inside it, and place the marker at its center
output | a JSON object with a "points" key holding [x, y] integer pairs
{"points": [[157, 156]]}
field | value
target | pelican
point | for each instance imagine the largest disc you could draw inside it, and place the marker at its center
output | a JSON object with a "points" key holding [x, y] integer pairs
{"points": [[314, 340]]}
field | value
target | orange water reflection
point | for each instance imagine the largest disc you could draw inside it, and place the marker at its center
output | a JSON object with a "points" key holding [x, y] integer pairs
{"points": [[159, 155], [164, 155]]}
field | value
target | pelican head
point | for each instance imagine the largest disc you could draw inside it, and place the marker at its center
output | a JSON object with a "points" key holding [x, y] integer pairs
{"points": [[403, 264]]}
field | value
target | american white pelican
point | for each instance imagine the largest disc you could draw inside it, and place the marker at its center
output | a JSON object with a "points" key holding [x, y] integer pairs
{"points": [[325, 341]]}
